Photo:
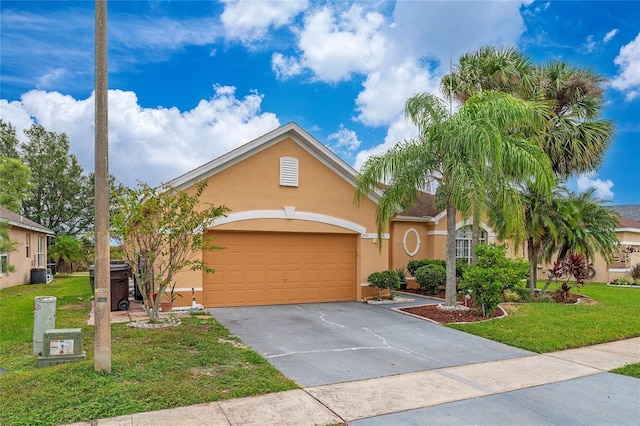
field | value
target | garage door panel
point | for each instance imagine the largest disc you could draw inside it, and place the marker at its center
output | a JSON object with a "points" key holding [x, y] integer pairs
{"points": [[271, 268]]}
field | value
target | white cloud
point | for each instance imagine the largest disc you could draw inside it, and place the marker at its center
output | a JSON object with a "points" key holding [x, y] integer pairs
{"points": [[149, 144], [344, 142], [628, 78], [336, 43], [249, 20], [387, 89], [611, 34], [285, 67], [603, 187], [447, 29]]}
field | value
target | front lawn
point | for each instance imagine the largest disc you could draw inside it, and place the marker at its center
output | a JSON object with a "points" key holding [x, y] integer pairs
{"points": [[611, 315], [197, 362]]}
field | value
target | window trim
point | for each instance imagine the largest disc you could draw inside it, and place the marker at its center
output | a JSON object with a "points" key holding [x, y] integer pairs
{"points": [[27, 245], [41, 247], [463, 243], [4, 263]]}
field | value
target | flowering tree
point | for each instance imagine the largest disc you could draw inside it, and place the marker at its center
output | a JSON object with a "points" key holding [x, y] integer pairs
{"points": [[160, 229]]}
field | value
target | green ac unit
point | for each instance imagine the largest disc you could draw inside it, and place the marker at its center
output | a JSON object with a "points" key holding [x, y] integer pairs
{"points": [[60, 346]]}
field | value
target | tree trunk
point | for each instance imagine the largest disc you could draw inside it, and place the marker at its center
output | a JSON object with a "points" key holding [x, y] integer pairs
{"points": [[533, 252], [450, 289]]}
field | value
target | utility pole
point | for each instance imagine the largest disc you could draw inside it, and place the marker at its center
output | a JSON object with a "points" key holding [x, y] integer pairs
{"points": [[102, 295]]}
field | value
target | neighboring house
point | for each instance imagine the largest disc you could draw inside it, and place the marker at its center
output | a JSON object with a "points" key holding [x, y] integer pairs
{"points": [[294, 233], [30, 253], [628, 255]]}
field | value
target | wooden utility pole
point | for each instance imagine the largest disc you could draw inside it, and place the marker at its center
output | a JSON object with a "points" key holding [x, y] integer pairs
{"points": [[102, 295]]}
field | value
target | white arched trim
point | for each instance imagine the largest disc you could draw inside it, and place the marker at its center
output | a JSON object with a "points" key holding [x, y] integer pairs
{"points": [[289, 213], [404, 242]]}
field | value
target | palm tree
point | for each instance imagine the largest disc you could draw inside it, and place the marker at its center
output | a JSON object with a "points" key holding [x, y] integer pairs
{"points": [[590, 228], [577, 138], [576, 141], [472, 155], [66, 250], [488, 68]]}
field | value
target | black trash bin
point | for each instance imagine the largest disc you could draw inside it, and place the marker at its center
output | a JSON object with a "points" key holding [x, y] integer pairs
{"points": [[119, 277], [38, 276], [118, 285]]}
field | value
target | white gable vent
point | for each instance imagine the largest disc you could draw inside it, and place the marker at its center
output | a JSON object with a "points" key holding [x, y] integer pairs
{"points": [[288, 171]]}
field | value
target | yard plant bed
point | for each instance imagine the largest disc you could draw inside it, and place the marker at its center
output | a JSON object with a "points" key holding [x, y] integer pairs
{"points": [[449, 316]]}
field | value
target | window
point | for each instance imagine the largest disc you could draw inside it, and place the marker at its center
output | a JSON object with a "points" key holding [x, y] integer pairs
{"points": [[463, 242], [288, 171], [27, 245], [4, 263], [40, 251]]}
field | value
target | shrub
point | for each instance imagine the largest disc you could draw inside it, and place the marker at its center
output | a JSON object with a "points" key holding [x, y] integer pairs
{"points": [[413, 265], [383, 280], [485, 286], [430, 276], [492, 274], [510, 296], [635, 272]]}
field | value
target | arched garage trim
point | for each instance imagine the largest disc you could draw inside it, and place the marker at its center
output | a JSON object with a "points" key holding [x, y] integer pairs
{"points": [[290, 213]]}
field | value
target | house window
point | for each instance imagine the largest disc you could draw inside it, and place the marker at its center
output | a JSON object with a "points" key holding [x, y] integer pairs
{"points": [[27, 245], [40, 251], [4, 263], [463, 242], [288, 171]]}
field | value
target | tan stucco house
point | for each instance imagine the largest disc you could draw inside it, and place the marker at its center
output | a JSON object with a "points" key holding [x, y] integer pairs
{"points": [[294, 233], [31, 250]]}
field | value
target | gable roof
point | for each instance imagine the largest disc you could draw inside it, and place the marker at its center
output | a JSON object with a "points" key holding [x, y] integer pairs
{"points": [[631, 211], [289, 130], [19, 221]]}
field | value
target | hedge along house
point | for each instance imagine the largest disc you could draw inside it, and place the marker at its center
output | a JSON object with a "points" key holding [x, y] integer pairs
{"points": [[30, 252], [294, 233]]}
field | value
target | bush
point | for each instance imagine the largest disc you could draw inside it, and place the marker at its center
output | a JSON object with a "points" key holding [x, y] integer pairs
{"points": [[413, 265], [430, 276], [635, 272], [492, 274], [383, 280]]}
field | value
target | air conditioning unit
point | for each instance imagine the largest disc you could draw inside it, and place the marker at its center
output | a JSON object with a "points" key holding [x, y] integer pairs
{"points": [[60, 346]]}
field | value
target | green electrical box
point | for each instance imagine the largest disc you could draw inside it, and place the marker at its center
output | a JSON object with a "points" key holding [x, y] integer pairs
{"points": [[60, 346]]}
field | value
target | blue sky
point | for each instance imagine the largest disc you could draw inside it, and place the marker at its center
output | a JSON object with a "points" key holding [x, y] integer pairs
{"points": [[191, 80]]}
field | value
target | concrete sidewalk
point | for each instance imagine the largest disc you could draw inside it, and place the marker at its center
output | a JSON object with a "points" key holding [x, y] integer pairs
{"points": [[408, 398]]}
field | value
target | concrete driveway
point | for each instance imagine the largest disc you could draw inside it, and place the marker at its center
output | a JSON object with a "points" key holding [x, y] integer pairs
{"points": [[328, 343]]}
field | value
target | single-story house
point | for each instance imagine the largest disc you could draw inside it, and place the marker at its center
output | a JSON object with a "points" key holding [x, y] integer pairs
{"points": [[31, 250], [294, 233]]}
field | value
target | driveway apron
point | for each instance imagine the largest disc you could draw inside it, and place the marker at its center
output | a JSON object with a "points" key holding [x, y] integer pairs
{"points": [[328, 343]]}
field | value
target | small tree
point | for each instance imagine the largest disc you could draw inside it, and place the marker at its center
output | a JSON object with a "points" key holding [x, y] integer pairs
{"points": [[159, 230], [7, 245], [385, 279]]}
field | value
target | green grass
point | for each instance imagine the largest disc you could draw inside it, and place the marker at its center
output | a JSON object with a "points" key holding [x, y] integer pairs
{"points": [[632, 370], [151, 369], [547, 327]]}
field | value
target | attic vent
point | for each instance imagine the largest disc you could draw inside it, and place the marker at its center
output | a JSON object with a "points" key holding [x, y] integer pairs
{"points": [[288, 171]]}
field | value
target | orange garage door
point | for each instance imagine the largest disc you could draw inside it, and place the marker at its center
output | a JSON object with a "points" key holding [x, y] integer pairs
{"points": [[264, 268]]}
